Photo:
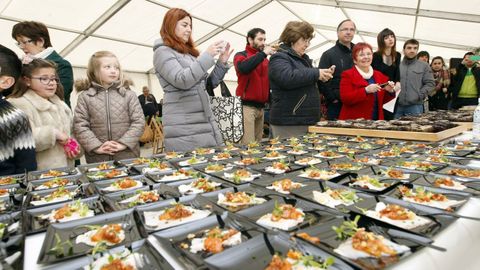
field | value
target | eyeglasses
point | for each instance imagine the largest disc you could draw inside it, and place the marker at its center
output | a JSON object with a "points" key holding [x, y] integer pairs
{"points": [[46, 80], [23, 43]]}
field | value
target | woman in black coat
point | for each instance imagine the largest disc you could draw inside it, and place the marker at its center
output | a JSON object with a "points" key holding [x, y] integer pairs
{"points": [[295, 100]]}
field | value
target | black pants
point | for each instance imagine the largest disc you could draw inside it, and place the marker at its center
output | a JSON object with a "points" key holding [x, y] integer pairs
{"points": [[460, 102]]}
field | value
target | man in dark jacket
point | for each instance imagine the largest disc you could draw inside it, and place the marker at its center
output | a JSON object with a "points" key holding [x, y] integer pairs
{"points": [[340, 56], [148, 103], [465, 87], [253, 87]]}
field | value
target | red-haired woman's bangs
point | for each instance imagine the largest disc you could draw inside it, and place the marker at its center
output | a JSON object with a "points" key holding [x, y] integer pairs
{"points": [[167, 32]]}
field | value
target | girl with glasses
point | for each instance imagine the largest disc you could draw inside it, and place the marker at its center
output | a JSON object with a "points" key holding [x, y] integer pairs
{"points": [[37, 94]]}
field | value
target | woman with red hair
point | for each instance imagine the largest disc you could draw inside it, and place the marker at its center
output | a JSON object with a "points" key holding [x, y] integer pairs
{"points": [[183, 72], [363, 91]]}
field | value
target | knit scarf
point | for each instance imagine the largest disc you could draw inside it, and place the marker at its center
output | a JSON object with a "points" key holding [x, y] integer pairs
{"points": [[365, 75]]}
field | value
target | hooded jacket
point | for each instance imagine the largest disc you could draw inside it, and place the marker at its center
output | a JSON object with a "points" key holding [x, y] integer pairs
{"points": [[295, 97], [108, 114], [188, 122], [45, 116]]}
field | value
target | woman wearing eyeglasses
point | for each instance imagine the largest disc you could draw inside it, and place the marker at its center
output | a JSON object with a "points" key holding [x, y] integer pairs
{"points": [[34, 40], [363, 90], [50, 118]]}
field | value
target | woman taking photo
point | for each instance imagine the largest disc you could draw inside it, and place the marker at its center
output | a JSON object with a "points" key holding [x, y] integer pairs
{"points": [[387, 60], [187, 119], [295, 102], [363, 90]]}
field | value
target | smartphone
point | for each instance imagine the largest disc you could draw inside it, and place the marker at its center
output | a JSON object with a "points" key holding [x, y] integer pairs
{"points": [[475, 57], [383, 84]]}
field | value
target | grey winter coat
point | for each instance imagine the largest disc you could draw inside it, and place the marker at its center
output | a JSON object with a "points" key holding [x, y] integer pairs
{"points": [[108, 114], [416, 80], [188, 122]]}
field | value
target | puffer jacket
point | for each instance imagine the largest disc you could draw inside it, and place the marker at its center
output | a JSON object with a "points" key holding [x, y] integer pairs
{"points": [[188, 122], [295, 97], [45, 116], [108, 114]]}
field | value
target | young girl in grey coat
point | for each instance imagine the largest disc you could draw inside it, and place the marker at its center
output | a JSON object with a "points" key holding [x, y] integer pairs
{"points": [[182, 71], [108, 118]]}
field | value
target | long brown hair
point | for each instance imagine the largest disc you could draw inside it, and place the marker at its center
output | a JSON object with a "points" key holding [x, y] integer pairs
{"points": [[167, 32], [93, 71], [381, 43], [27, 71]]}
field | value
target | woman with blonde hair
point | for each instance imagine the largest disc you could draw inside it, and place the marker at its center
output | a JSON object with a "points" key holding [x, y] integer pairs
{"points": [[182, 71], [108, 118]]}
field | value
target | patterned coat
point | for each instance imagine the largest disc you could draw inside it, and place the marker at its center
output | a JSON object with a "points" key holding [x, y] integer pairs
{"points": [[187, 118], [108, 114]]}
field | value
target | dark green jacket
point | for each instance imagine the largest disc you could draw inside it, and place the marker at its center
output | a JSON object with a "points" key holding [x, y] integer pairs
{"points": [[65, 72]]}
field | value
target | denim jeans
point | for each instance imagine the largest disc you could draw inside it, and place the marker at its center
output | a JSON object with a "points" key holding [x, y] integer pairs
{"points": [[402, 110]]}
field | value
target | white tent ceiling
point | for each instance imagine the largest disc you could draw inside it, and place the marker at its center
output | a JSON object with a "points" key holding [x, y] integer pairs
{"points": [[128, 27]]}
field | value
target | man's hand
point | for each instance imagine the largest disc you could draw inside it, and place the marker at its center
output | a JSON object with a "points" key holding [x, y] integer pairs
{"points": [[269, 50]]}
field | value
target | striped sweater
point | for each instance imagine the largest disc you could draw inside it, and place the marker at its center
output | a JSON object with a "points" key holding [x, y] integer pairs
{"points": [[17, 147]]}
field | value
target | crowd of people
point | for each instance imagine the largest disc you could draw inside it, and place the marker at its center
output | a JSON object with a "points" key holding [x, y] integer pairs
{"points": [[40, 131]]}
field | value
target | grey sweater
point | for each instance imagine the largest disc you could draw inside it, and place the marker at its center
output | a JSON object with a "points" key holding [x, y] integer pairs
{"points": [[416, 79], [188, 121]]}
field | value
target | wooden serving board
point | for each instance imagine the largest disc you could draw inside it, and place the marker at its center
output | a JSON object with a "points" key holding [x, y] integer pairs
{"points": [[393, 134]]}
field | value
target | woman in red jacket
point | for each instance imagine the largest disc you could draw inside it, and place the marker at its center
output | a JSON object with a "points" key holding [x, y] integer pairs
{"points": [[363, 91]]}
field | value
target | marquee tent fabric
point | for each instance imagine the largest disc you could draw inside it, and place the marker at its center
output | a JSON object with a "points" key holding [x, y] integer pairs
{"points": [[129, 27]]}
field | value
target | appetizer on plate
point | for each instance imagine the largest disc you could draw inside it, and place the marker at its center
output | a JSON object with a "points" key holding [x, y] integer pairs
{"points": [[284, 217], [329, 154], [438, 159], [172, 155], [238, 199], [346, 166], [422, 196], [230, 147], [295, 260], [7, 180], [285, 186], [275, 140], [71, 211], [123, 184], [397, 215], [203, 151], [241, 175], [141, 161], [180, 174], [173, 216], [387, 153], [199, 185], [328, 137], [250, 151], [363, 244], [275, 147], [110, 234], [317, 174], [469, 173], [297, 150], [395, 174], [359, 139], [61, 194], [449, 183], [338, 143], [122, 260], [382, 141], [101, 167], [141, 197], [52, 173], [368, 182], [368, 160], [55, 182], [192, 161], [318, 147], [308, 161], [211, 168], [416, 165], [156, 166], [458, 147], [365, 146], [274, 155], [247, 161], [335, 197], [347, 150], [221, 156], [4, 192], [216, 240], [309, 238], [107, 174], [440, 151], [278, 167]]}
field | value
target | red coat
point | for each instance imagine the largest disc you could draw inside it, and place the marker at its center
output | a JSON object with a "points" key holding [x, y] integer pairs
{"points": [[356, 103]]}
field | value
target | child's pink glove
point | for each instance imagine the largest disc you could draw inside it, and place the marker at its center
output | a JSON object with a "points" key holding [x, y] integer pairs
{"points": [[71, 147]]}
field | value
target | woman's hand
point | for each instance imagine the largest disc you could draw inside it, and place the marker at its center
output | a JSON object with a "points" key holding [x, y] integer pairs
{"points": [[117, 147], [372, 88], [223, 58], [325, 74], [61, 136], [390, 87], [216, 48], [104, 149]]}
